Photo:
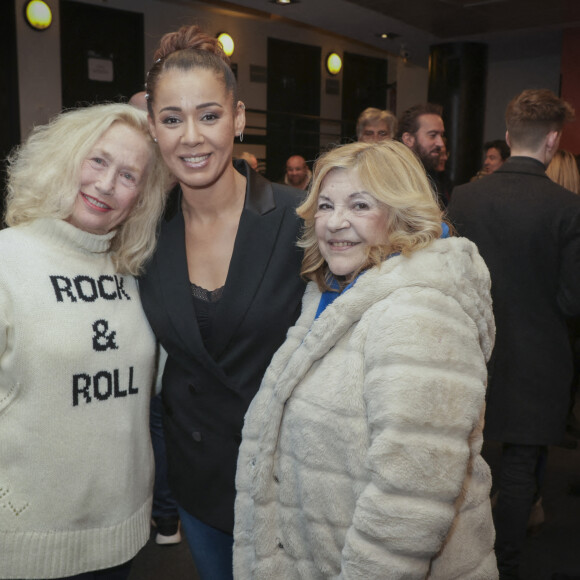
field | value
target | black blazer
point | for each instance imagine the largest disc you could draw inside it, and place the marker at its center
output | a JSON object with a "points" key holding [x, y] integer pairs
{"points": [[527, 229], [206, 391]]}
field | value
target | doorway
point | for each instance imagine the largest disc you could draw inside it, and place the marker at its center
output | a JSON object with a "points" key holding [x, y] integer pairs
{"points": [[293, 126], [102, 54], [364, 84], [9, 96]]}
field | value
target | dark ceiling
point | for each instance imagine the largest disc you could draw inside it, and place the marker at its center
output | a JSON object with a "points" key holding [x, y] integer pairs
{"points": [[459, 18], [511, 28]]}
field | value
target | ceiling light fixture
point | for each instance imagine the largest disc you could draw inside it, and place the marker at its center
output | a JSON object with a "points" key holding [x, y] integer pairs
{"points": [[387, 35], [38, 14], [227, 43], [333, 63], [284, 2]]}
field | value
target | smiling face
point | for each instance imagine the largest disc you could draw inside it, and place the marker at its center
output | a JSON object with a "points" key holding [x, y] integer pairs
{"points": [[492, 161], [297, 171], [112, 178], [348, 221], [194, 121]]}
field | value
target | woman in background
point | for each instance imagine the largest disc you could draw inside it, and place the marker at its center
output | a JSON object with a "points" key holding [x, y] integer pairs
{"points": [[360, 455], [77, 356], [563, 169], [222, 289]]}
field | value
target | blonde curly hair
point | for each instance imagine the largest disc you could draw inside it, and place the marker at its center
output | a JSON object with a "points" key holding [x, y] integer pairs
{"points": [[44, 178], [395, 177]]}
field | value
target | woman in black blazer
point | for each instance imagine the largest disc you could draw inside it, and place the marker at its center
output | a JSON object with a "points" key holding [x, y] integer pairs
{"points": [[222, 289]]}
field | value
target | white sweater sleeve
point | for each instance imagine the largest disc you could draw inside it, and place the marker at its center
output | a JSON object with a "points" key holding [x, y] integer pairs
{"points": [[3, 332], [161, 359], [7, 388], [424, 389]]}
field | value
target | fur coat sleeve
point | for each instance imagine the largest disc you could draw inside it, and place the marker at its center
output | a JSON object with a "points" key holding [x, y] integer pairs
{"points": [[361, 453], [424, 396]]}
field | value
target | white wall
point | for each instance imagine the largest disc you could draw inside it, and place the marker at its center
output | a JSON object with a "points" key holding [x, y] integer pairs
{"points": [[39, 52], [39, 60], [505, 80], [412, 85], [508, 78], [38, 70]]}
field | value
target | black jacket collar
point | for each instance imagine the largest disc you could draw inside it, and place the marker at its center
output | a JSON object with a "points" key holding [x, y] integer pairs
{"points": [[521, 164]]}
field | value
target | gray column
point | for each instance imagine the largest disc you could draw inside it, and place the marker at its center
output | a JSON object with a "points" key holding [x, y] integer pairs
{"points": [[457, 81]]}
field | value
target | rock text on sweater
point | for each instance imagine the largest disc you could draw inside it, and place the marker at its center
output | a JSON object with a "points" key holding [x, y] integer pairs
{"points": [[103, 385], [88, 289]]}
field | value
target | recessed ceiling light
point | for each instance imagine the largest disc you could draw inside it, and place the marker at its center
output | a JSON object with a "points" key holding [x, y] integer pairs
{"points": [[387, 35], [284, 2]]}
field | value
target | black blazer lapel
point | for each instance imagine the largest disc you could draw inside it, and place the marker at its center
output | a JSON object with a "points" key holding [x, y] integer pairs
{"points": [[255, 241], [175, 287]]}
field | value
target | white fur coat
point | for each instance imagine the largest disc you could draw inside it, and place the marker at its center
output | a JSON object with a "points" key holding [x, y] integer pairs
{"points": [[360, 456]]}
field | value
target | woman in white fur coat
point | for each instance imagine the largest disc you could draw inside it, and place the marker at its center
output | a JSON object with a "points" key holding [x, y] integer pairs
{"points": [[361, 451]]}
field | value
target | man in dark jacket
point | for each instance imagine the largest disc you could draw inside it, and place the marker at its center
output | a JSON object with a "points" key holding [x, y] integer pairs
{"points": [[421, 129], [527, 229]]}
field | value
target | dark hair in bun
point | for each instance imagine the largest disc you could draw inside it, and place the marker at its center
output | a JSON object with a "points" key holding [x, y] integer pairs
{"points": [[187, 49]]}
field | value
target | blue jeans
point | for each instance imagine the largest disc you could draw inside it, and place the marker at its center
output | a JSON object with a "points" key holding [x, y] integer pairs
{"points": [[211, 548], [163, 503]]}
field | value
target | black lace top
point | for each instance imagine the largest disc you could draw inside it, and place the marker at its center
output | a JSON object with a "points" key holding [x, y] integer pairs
{"points": [[205, 303]]}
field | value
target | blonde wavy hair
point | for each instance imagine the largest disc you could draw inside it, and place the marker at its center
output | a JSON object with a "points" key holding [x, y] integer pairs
{"points": [[563, 169], [395, 177], [44, 178]]}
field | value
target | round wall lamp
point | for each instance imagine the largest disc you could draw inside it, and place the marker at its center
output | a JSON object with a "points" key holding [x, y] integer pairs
{"points": [[227, 43], [38, 14], [333, 63]]}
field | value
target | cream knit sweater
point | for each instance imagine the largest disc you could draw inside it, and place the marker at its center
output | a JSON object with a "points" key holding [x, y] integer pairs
{"points": [[76, 370]]}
